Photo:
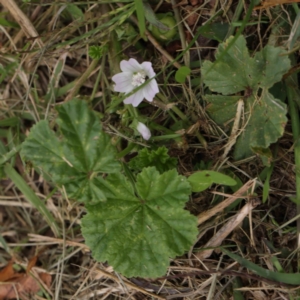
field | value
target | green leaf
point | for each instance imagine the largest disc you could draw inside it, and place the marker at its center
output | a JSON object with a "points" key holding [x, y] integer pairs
{"points": [[74, 11], [137, 232], [237, 71], [222, 108], [79, 157], [266, 125], [152, 19], [273, 63], [182, 73], [7, 23], [202, 180], [158, 158], [264, 116], [234, 72], [165, 34], [214, 31]]}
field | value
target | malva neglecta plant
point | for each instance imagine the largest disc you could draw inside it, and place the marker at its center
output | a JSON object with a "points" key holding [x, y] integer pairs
{"points": [[234, 72], [136, 226], [135, 219], [125, 220]]}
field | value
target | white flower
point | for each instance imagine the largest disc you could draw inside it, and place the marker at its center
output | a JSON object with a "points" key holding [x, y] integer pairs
{"points": [[133, 75], [144, 131]]}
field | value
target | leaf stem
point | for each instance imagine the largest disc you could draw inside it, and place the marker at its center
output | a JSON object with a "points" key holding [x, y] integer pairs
{"points": [[125, 151]]}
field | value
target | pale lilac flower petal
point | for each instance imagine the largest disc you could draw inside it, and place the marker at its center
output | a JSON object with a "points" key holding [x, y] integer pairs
{"points": [[134, 75], [123, 83], [144, 131], [135, 99], [147, 67], [130, 66], [151, 90]]}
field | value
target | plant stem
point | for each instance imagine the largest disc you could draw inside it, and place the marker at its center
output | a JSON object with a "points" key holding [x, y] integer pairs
{"points": [[292, 87], [125, 151]]}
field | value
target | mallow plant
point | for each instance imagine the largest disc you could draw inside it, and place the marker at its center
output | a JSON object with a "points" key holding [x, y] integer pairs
{"points": [[136, 226], [135, 213], [236, 76]]}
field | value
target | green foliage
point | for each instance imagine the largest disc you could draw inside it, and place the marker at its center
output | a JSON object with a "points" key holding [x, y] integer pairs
{"points": [[237, 72], [295, 33], [182, 73], [137, 229], [140, 12], [7, 23], [214, 31], [161, 33], [152, 19], [74, 11], [153, 158], [202, 180], [79, 157], [288, 278], [31, 197], [6, 70], [96, 52], [126, 32]]}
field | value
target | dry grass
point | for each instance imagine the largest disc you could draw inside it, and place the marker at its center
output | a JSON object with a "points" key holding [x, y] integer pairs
{"points": [[30, 90]]}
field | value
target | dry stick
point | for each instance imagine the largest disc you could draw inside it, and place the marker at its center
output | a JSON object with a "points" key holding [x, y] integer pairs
{"points": [[217, 239], [29, 31], [161, 49], [235, 129], [81, 80], [21, 19], [186, 57], [128, 284], [204, 216], [42, 238]]}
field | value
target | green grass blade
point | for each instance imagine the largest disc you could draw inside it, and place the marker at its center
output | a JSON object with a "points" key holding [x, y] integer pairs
{"points": [[293, 278], [4, 245], [31, 197], [13, 121], [266, 187], [139, 7], [7, 156]]}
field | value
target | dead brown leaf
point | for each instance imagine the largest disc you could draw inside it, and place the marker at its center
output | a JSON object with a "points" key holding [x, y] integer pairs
{"points": [[7, 272], [23, 285], [15, 285], [31, 264]]}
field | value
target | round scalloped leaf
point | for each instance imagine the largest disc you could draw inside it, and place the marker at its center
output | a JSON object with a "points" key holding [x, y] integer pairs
{"points": [[88, 147], [222, 108], [266, 125], [75, 159], [138, 232], [202, 180], [234, 72], [274, 62]]}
